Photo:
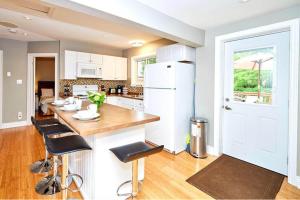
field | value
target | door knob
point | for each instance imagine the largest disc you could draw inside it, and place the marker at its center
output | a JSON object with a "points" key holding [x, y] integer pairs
{"points": [[227, 108]]}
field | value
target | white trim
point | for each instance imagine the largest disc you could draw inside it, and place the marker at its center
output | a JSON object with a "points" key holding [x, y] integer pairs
{"points": [[14, 124], [293, 26], [138, 82], [1, 86], [211, 150], [31, 78]]}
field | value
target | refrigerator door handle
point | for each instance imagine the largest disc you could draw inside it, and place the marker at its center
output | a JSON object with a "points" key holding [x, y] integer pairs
{"points": [[160, 88]]}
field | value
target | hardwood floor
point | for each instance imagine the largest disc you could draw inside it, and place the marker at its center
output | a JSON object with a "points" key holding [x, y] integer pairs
{"points": [[165, 174]]}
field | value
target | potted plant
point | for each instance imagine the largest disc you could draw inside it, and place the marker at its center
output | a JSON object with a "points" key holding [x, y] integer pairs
{"points": [[97, 98]]}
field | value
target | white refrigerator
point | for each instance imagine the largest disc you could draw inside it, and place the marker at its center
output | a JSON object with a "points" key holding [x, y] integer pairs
{"points": [[169, 93]]}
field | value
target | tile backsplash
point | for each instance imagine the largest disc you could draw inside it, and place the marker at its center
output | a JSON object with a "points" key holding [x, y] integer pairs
{"points": [[107, 84]]}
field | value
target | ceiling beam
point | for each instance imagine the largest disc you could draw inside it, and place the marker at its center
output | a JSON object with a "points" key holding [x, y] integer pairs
{"points": [[135, 14]]}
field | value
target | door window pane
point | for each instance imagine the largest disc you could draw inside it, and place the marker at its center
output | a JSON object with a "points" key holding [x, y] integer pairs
{"points": [[253, 75]]}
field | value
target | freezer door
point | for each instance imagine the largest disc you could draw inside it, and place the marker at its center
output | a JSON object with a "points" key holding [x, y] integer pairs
{"points": [[160, 102], [160, 75]]}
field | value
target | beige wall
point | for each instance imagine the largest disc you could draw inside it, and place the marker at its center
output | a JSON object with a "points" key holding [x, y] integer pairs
{"points": [[146, 49], [205, 64], [14, 96], [43, 47], [44, 70]]}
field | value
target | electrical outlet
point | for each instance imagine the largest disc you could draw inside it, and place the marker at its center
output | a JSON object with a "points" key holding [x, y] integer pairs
{"points": [[20, 115]]}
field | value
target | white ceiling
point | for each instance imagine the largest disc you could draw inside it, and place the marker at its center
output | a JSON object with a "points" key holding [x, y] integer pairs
{"points": [[207, 14], [61, 24]]}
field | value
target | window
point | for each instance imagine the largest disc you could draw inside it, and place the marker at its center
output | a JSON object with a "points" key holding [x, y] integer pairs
{"points": [[138, 64], [253, 75], [141, 63]]}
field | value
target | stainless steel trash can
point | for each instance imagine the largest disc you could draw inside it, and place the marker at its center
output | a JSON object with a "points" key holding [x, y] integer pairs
{"points": [[198, 137]]}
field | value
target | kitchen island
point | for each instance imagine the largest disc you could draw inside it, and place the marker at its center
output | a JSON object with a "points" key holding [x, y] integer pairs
{"points": [[102, 172]]}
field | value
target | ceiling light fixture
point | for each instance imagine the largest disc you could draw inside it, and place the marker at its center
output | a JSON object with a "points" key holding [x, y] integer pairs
{"points": [[136, 43], [27, 18], [12, 30], [244, 1], [25, 34]]}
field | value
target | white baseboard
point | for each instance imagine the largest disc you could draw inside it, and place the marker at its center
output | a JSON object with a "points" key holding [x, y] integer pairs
{"points": [[211, 150], [298, 182], [14, 124]]}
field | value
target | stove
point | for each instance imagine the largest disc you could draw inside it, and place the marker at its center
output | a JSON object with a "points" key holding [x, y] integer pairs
{"points": [[80, 91]]}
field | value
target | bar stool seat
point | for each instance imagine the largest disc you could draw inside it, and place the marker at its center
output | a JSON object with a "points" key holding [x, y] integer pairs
{"points": [[134, 151], [68, 144], [50, 121], [53, 129], [47, 127], [131, 153], [57, 147]]}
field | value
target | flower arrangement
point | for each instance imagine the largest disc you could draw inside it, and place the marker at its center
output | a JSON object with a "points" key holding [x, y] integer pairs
{"points": [[97, 98]]}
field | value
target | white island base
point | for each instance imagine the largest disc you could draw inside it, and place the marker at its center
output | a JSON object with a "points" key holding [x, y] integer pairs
{"points": [[101, 170]]}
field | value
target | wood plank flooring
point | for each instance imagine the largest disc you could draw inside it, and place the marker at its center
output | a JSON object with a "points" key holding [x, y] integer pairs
{"points": [[165, 174]]}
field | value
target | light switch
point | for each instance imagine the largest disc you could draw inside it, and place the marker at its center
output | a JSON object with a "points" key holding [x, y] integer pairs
{"points": [[8, 74], [19, 82]]}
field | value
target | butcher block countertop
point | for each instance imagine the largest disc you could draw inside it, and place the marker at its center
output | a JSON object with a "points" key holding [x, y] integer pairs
{"points": [[112, 118]]}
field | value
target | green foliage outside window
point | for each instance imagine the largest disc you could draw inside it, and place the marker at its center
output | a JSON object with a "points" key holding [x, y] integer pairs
{"points": [[141, 65], [245, 80]]}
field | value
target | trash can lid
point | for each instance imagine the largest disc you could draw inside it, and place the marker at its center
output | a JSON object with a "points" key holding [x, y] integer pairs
{"points": [[199, 120]]}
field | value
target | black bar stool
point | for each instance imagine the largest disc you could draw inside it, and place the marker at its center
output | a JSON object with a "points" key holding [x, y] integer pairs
{"points": [[47, 127], [57, 147], [131, 153]]}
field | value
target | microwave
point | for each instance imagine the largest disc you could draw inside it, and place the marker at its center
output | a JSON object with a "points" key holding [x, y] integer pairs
{"points": [[89, 70]]}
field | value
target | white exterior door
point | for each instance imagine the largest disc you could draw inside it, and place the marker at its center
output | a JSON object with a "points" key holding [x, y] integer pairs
{"points": [[256, 83]]}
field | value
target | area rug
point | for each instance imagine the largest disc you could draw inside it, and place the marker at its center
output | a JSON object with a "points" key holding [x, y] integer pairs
{"points": [[231, 178]]}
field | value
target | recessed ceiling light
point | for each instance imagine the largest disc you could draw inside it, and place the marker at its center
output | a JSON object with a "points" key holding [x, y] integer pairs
{"points": [[28, 18], [137, 43], [244, 1], [12, 30], [25, 34]]}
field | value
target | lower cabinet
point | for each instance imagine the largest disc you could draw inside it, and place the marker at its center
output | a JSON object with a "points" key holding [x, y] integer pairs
{"points": [[133, 104]]}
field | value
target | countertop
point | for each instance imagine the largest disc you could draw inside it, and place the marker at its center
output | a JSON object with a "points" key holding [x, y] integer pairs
{"points": [[129, 96], [112, 118]]}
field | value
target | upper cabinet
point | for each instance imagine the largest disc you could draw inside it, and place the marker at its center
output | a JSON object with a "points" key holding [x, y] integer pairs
{"points": [[176, 52], [70, 68], [121, 68], [112, 67]]}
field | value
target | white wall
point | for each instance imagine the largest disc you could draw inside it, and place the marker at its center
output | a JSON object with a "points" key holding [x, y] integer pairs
{"points": [[205, 62]]}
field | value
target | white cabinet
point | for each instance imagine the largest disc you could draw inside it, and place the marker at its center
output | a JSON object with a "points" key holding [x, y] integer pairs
{"points": [[89, 58], [121, 68], [70, 65], [108, 68], [96, 59], [83, 57], [133, 104], [176, 52], [114, 68]]}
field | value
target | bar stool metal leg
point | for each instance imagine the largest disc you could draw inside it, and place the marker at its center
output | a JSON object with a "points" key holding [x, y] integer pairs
{"points": [[50, 184], [65, 166], [42, 166], [135, 183]]}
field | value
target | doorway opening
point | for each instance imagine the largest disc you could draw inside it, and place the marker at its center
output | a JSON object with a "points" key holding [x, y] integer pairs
{"points": [[42, 84]]}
